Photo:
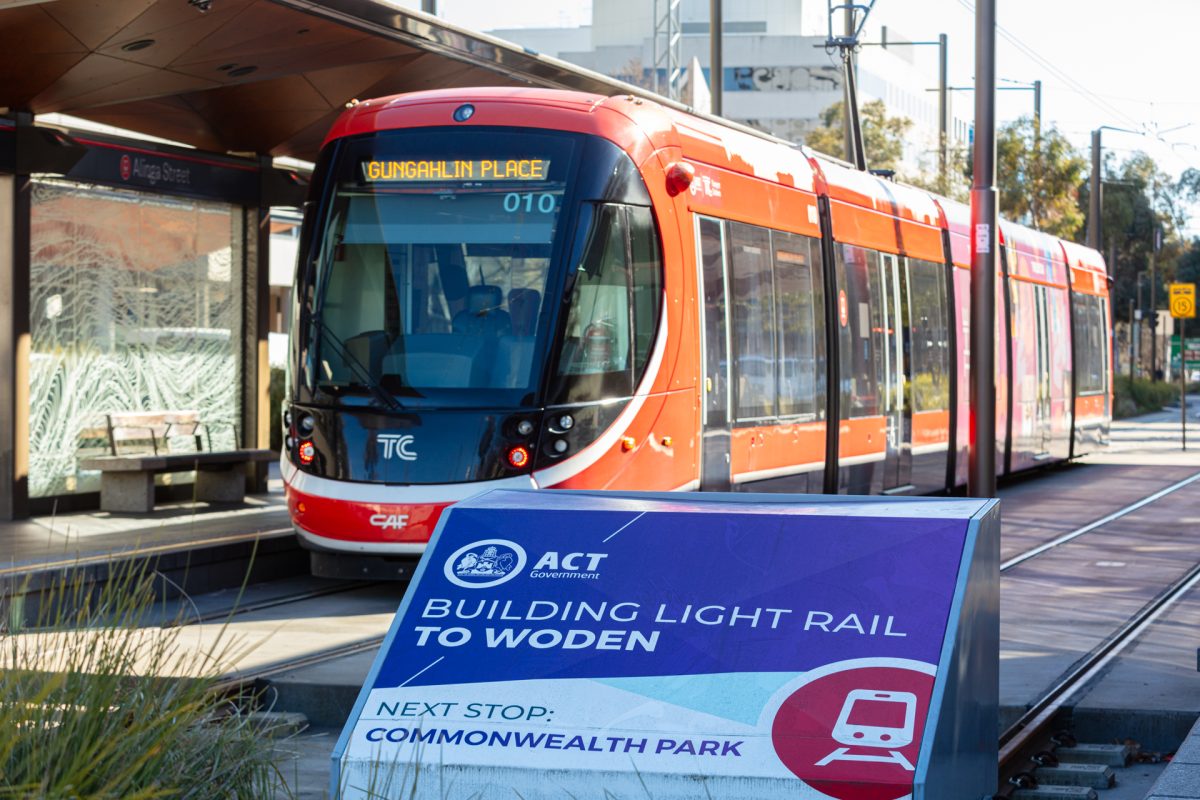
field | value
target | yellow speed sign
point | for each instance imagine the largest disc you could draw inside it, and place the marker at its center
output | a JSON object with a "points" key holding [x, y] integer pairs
{"points": [[1183, 300]]}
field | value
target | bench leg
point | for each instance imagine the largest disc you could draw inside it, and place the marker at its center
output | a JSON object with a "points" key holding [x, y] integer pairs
{"points": [[221, 485], [127, 492]]}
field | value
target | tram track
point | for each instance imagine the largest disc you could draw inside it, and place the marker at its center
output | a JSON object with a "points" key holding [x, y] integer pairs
{"points": [[238, 608], [1044, 547], [1032, 740]]}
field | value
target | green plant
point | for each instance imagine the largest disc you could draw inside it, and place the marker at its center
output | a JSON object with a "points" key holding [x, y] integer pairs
{"points": [[1141, 395], [92, 707]]}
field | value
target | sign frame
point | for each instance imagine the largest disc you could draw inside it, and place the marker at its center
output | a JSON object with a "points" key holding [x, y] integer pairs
{"points": [[961, 713]]}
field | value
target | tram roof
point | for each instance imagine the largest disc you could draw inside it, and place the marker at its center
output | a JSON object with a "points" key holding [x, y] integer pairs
{"points": [[248, 76]]}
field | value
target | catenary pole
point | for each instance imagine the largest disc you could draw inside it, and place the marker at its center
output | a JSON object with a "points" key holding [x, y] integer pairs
{"points": [[981, 475], [1093, 226], [943, 113], [716, 55], [849, 115]]}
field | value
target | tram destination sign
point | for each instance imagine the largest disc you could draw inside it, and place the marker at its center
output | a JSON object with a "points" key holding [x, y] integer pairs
{"points": [[599, 644], [430, 170]]}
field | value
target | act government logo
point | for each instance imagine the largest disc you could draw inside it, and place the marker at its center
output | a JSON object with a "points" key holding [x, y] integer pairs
{"points": [[486, 563]]}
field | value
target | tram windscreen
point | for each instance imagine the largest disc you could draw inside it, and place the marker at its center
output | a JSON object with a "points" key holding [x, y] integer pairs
{"points": [[434, 264]]}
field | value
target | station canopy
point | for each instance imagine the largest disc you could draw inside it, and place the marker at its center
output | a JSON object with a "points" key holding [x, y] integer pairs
{"points": [[246, 76]]}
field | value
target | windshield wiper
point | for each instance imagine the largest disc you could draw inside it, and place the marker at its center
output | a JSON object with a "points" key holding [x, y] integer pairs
{"points": [[364, 374]]}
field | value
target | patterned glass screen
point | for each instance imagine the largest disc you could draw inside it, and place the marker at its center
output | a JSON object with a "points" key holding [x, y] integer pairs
{"points": [[135, 305]]}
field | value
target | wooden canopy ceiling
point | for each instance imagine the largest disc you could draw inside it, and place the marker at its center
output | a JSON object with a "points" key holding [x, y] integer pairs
{"points": [[245, 76]]}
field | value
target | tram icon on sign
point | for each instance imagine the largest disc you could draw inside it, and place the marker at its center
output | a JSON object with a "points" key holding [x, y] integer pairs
{"points": [[876, 720]]}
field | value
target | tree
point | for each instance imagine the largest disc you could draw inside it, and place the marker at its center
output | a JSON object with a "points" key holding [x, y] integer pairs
{"points": [[1141, 203], [957, 183], [883, 136], [1038, 181]]}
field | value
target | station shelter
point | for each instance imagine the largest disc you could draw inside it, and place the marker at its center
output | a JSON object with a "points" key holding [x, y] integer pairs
{"points": [[136, 273]]}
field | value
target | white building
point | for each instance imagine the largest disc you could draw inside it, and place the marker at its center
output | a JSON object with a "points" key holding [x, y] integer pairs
{"points": [[777, 77]]}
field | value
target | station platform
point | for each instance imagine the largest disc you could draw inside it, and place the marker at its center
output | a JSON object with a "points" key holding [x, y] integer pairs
{"points": [[199, 546]]}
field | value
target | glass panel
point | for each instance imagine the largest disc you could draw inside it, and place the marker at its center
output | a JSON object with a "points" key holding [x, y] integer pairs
{"points": [[433, 271], [930, 336], [596, 338], [860, 329], [135, 305], [753, 307], [712, 258], [647, 283], [800, 299]]}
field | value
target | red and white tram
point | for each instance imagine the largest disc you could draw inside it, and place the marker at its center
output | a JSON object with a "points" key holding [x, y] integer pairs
{"points": [[548, 289]]}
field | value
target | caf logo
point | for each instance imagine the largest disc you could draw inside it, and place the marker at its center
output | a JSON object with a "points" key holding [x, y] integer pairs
{"points": [[488, 562]]}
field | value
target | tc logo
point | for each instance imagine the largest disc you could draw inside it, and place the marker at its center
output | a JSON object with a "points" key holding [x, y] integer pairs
{"points": [[485, 563], [389, 521], [398, 445], [126, 167]]}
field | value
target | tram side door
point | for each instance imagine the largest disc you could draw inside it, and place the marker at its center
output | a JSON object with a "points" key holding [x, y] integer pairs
{"points": [[715, 427], [894, 358], [1041, 422]]}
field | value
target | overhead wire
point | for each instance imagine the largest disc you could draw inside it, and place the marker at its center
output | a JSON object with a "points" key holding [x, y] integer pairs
{"points": [[1053, 69], [1073, 85]]}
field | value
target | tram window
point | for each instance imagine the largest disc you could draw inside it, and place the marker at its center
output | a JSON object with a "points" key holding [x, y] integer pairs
{"points": [[800, 303], [929, 336], [596, 339], [753, 310], [647, 283], [1089, 343], [858, 335]]}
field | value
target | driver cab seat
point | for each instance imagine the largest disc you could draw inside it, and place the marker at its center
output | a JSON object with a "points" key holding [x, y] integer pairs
{"points": [[483, 315]]}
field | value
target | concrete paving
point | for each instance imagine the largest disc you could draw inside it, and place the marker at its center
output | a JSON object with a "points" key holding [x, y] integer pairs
{"points": [[1182, 777], [63, 539]]}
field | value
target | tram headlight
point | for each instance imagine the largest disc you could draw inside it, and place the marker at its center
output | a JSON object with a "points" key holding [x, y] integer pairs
{"points": [[524, 427], [560, 446], [287, 418], [306, 424], [288, 441]]}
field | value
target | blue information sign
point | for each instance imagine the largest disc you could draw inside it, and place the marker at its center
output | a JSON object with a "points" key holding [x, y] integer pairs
{"points": [[572, 644]]}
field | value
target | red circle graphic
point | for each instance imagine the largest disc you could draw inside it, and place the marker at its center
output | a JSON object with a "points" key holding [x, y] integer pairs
{"points": [[126, 167], [855, 734]]}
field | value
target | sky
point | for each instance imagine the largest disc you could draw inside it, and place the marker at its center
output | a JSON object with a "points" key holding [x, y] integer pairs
{"points": [[1101, 62]]}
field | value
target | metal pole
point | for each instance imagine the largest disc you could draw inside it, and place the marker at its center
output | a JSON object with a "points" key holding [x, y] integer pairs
{"points": [[981, 477], [1182, 385], [1037, 154], [1153, 322], [1093, 226], [943, 114], [716, 65], [1130, 345], [849, 117]]}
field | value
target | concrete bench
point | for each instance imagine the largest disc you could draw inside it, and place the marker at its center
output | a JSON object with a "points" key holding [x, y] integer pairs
{"points": [[127, 478]]}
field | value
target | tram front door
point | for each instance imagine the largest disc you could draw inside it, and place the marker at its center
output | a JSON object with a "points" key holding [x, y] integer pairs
{"points": [[894, 361], [715, 425]]}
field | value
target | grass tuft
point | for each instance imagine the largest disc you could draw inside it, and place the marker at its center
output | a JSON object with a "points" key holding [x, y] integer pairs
{"points": [[92, 707]]}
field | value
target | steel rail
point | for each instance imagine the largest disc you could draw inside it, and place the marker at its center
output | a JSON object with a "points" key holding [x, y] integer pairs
{"points": [[237, 609], [1091, 526], [239, 680], [1025, 735]]}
